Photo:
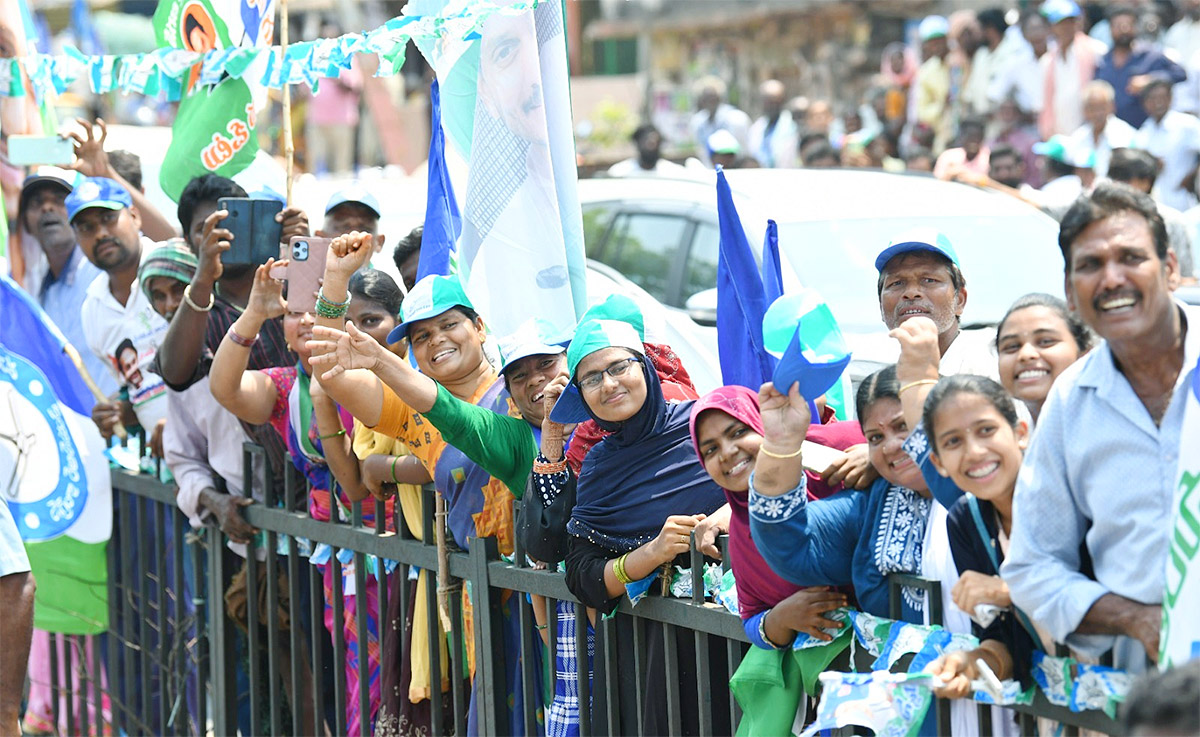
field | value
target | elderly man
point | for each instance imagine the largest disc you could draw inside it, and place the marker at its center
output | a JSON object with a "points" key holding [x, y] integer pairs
{"points": [[774, 136], [1112, 418], [919, 276], [1102, 131]]}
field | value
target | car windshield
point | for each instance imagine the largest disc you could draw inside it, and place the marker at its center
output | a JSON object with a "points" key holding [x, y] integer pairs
{"points": [[1002, 258]]}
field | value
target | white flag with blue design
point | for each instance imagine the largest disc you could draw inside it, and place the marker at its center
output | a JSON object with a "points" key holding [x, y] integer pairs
{"points": [[54, 475], [1179, 640]]}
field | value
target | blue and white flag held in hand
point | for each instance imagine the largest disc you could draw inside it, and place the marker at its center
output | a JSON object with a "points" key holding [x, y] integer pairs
{"points": [[1180, 640]]}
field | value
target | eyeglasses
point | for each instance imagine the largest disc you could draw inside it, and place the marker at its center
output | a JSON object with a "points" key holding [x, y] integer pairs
{"points": [[616, 369]]}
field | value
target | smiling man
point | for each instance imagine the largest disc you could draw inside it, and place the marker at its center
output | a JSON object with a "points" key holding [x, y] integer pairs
{"points": [[919, 275], [1102, 466], [43, 214]]}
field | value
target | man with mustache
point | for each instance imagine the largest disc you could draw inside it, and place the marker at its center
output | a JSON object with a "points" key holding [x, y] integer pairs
{"points": [[107, 227], [919, 276], [1112, 418], [1129, 70], [43, 215]]}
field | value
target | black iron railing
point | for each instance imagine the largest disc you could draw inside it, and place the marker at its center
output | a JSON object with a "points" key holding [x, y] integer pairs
{"points": [[172, 650]]}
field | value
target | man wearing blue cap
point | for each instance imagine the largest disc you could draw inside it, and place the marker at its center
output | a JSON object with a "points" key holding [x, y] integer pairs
{"points": [[919, 276], [1067, 68], [1129, 70], [121, 326]]}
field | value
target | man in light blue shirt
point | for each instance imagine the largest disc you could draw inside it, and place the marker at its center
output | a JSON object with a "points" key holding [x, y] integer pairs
{"points": [[43, 214], [1102, 466]]}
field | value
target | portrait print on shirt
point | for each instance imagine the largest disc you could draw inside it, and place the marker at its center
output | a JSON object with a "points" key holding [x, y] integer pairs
{"points": [[131, 359]]}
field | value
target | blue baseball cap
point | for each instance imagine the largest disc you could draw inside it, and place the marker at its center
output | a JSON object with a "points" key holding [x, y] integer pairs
{"points": [[1056, 11], [918, 239], [354, 193], [97, 192]]}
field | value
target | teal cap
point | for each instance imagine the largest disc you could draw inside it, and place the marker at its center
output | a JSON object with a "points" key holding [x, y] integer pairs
{"points": [[428, 298], [615, 322]]}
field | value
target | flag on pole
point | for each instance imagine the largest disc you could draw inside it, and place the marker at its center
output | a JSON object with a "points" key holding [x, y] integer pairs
{"points": [[506, 111], [53, 472], [1180, 638], [443, 223], [215, 125], [772, 270], [741, 300]]}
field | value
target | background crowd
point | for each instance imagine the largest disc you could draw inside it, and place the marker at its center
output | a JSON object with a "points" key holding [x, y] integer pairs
{"points": [[1029, 469]]}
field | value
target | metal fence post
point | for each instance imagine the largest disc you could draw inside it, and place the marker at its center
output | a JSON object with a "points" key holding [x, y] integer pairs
{"points": [[490, 651]]}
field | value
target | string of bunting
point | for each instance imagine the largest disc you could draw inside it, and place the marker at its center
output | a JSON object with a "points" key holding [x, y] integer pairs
{"points": [[1063, 681], [163, 72]]}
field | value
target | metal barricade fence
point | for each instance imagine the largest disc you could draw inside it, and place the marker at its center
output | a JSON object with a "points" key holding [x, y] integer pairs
{"points": [[173, 653]]}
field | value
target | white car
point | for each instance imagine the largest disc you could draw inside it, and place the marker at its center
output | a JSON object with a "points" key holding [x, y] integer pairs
{"points": [[663, 235]]}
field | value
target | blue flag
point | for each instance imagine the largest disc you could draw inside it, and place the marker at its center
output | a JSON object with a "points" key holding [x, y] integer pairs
{"points": [[443, 224], [741, 301], [772, 271], [53, 472]]}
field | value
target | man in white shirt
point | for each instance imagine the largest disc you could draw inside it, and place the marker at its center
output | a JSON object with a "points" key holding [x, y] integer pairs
{"points": [[1174, 138], [122, 328], [649, 161], [999, 50], [715, 114], [774, 136], [1067, 68], [1022, 77], [1183, 38], [1103, 131]]}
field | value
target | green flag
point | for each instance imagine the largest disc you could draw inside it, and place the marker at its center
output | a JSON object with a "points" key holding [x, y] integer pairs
{"points": [[214, 130], [213, 133]]}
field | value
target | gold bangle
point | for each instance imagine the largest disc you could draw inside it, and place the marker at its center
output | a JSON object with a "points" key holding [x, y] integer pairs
{"points": [[911, 384], [769, 454], [619, 570]]}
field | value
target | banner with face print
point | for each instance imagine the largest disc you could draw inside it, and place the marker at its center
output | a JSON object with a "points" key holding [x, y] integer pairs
{"points": [[506, 111]]}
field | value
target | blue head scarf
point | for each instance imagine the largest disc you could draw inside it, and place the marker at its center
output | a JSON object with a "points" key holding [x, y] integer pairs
{"points": [[643, 473]]}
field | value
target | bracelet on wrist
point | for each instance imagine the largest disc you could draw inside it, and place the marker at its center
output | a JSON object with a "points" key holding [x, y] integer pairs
{"points": [[329, 309], [187, 299], [395, 460], [912, 384], [240, 340], [337, 434], [781, 456], [620, 572], [546, 467], [762, 631]]}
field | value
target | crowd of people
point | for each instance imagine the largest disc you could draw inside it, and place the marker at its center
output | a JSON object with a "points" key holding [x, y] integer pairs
{"points": [[997, 462]]}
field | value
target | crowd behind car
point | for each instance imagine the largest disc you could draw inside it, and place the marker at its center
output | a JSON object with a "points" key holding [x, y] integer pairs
{"points": [[1029, 470]]}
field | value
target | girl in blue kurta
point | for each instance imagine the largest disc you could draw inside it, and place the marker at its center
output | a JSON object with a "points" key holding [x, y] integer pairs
{"points": [[852, 537]]}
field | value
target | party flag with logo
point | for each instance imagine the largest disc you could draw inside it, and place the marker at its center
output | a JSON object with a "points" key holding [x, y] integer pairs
{"points": [[53, 471], [1180, 639]]}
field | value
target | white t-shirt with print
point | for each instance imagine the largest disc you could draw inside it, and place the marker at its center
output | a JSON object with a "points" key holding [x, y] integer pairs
{"points": [[108, 325]]}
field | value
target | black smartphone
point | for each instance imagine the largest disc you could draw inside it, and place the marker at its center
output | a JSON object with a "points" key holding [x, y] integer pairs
{"points": [[256, 235]]}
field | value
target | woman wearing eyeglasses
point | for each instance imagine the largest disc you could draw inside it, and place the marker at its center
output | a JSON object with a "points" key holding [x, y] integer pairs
{"points": [[639, 495]]}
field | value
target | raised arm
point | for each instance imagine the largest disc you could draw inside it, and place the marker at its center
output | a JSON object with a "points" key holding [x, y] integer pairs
{"points": [[91, 160], [249, 395], [917, 368], [785, 421], [183, 345]]}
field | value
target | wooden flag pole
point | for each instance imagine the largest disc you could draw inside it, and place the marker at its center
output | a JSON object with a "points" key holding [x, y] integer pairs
{"points": [[289, 148], [99, 396]]}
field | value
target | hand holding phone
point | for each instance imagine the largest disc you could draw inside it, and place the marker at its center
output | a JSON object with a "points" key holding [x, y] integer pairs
{"points": [[306, 267], [256, 233]]}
